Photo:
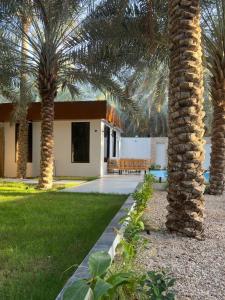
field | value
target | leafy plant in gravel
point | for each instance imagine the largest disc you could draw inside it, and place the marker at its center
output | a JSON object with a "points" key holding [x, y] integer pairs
{"points": [[143, 195], [135, 224], [158, 286], [99, 286], [134, 227], [127, 251]]}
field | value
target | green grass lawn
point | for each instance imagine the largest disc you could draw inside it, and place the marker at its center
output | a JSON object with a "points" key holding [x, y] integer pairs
{"points": [[45, 235]]}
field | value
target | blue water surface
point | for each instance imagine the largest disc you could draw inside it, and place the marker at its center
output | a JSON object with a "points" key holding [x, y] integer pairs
{"points": [[163, 174]]}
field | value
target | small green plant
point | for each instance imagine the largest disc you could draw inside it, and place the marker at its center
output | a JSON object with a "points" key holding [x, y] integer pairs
{"points": [[134, 221], [143, 195], [134, 226], [149, 178], [158, 286], [99, 286], [128, 251]]}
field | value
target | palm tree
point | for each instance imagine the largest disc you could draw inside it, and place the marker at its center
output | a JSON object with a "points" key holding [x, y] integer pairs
{"points": [[19, 99], [22, 105], [186, 128], [214, 36], [56, 59]]}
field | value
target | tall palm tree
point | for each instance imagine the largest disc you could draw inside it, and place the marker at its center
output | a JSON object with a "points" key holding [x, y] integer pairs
{"points": [[55, 58], [186, 128], [22, 105], [20, 99], [214, 37]]}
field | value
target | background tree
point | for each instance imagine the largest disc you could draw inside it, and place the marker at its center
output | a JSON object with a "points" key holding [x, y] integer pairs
{"points": [[214, 37], [56, 60], [21, 94], [23, 104]]}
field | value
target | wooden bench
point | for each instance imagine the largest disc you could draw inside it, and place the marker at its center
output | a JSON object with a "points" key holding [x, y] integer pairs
{"points": [[128, 164]]}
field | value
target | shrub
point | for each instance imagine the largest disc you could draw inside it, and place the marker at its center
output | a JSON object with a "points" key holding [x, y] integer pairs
{"points": [[158, 286], [143, 195], [99, 286]]}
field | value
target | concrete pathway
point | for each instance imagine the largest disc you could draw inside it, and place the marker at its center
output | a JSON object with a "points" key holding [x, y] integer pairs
{"points": [[109, 184]]}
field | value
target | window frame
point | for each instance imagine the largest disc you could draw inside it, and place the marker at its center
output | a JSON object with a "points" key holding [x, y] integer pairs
{"points": [[89, 142], [114, 144], [107, 157]]}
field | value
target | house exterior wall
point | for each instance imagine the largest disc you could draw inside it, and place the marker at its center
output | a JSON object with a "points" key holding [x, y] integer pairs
{"points": [[62, 150], [10, 153]]}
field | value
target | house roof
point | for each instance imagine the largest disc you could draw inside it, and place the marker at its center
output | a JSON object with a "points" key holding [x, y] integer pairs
{"points": [[76, 110]]}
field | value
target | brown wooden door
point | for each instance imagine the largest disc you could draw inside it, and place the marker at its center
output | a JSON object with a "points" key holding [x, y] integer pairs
{"points": [[2, 152]]}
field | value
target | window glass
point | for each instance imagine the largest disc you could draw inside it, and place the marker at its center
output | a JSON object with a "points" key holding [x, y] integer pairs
{"points": [[114, 143], [106, 143], [80, 142]]}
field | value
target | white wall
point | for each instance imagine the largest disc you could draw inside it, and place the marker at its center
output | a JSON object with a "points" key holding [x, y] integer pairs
{"points": [[161, 150], [146, 148], [10, 153], [207, 148], [154, 148], [62, 150], [135, 148]]}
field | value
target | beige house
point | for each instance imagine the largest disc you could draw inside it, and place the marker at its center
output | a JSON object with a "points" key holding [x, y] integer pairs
{"points": [[86, 135]]}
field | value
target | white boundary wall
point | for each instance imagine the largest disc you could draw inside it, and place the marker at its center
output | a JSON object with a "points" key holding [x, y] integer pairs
{"points": [[135, 148], [154, 148]]}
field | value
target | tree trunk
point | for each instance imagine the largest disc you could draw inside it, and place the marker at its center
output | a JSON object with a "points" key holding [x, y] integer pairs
{"points": [[22, 106], [186, 128], [47, 86], [217, 169], [47, 143], [22, 147]]}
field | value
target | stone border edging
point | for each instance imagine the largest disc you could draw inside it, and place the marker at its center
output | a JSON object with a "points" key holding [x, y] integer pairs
{"points": [[108, 241]]}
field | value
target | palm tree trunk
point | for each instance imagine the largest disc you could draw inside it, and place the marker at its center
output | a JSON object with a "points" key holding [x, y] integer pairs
{"points": [[47, 85], [186, 128], [22, 106], [217, 169], [22, 147], [47, 143]]}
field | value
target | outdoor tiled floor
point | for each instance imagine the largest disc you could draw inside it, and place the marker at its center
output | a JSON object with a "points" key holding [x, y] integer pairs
{"points": [[118, 184]]}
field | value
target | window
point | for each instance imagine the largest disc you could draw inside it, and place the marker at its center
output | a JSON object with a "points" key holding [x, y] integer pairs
{"points": [[106, 143], [80, 142], [29, 141], [114, 143]]}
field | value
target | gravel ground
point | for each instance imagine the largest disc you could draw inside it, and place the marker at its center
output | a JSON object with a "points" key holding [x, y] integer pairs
{"points": [[198, 266]]}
